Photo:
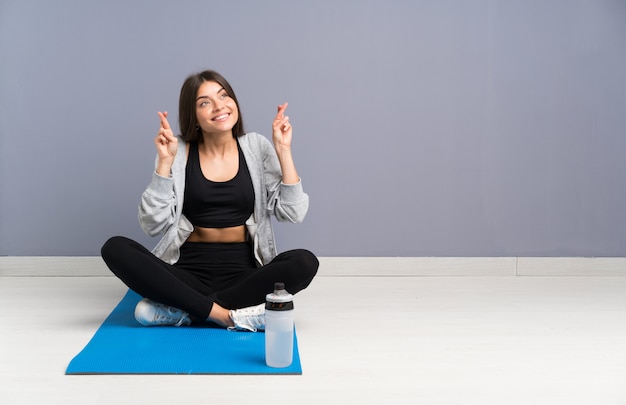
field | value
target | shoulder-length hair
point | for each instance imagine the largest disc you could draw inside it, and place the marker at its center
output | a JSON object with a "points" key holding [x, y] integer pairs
{"points": [[189, 128]]}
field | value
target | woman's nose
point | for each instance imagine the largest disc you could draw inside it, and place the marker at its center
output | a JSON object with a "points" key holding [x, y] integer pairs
{"points": [[218, 105]]}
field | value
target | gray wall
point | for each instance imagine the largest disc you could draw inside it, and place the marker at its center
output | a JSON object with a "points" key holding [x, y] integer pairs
{"points": [[422, 128]]}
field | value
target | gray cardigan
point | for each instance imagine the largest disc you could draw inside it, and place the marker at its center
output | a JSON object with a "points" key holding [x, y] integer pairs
{"points": [[160, 210]]}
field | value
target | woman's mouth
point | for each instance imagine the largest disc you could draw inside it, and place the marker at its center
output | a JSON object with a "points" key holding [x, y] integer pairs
{"points": [[221, 117]]}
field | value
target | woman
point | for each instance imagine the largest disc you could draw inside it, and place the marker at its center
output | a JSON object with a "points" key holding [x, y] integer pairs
{"points": [[210, 198]]}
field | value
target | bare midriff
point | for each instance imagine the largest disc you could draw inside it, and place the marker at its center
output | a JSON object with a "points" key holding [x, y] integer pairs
{"points": [[218, 235]]}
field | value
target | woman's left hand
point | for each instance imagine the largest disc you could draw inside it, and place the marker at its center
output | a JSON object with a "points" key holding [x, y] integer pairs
{"points": [[281, 130]]}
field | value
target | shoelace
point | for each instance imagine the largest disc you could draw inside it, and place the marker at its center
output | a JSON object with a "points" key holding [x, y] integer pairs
{"points": [[252, 317], [171, 315], [256, 320]]}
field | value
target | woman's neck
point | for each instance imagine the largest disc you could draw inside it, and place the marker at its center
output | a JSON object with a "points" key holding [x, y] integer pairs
{"points": [[217, 145]]}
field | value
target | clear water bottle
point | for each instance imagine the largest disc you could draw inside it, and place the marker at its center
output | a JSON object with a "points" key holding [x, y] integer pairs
{"points": [[279, 327]]}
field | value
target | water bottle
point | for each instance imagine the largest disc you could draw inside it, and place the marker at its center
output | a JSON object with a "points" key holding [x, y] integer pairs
{"points": [[279, 327]]}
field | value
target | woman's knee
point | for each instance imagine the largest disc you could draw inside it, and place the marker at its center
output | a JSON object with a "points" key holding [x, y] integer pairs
{"points": [[112, 247], [117, 250], [307, 262]]}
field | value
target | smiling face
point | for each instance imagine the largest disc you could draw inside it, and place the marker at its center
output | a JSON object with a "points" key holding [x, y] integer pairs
{"points": [[216, 110]]}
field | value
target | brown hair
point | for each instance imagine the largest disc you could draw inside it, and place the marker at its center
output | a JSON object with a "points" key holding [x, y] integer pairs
{"points": [[189, 128]]}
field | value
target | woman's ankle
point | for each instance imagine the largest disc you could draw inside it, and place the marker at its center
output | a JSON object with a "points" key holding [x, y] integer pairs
{"points": [[221, 316]]}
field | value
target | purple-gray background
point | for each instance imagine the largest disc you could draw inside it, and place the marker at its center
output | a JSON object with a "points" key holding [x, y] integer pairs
{"points": [[421, 128]]}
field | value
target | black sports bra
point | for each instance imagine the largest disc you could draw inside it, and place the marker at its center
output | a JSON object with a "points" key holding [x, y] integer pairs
{"points": [[212, 204]]}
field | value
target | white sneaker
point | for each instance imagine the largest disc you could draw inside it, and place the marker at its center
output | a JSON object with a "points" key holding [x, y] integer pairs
{"points": [[150, 313], [251, 319]]}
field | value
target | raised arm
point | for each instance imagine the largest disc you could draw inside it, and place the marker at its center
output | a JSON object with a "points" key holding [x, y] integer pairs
{"points": [[281, 136], [166, 145]]}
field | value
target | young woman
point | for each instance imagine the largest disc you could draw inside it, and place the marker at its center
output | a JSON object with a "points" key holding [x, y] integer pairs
{"points": [[211, 198]]}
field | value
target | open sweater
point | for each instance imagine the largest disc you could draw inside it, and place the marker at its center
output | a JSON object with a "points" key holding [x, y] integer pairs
{"points": [[160, 210]]}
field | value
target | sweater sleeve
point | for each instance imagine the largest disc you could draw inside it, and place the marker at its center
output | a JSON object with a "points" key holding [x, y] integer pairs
{"points": [[158, 205], [288, 202]]}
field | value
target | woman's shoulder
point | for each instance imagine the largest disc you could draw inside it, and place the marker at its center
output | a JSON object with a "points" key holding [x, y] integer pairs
{"points": [[252, 136], [182, 145], [255, 140]]}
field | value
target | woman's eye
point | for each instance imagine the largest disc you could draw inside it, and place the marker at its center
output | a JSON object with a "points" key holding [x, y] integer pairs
{"points": [[204, 104], [224, 95]]}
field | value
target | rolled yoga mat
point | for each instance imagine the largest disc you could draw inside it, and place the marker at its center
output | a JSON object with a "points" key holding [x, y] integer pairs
{"points": [[122, 346]]}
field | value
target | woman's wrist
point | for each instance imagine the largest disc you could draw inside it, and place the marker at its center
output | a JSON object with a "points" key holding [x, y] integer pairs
{"points": [[284, 153], [287, 166], [164, 168]]}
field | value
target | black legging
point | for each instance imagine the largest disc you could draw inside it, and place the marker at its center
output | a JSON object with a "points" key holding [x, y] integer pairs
{"points": [[205, 273]]}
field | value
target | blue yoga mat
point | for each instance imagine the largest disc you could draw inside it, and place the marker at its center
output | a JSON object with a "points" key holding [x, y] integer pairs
{"points": [[122, 346]]}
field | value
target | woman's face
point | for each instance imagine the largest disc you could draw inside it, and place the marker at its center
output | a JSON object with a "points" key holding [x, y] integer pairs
{"points": [[216, 111]]}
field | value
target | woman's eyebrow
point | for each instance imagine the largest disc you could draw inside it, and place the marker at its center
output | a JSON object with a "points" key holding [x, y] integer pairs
{"points": [[218, 92]]}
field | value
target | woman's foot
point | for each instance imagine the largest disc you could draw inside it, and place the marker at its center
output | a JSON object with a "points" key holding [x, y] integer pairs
{"points": [[150, 313], [251, 318]]}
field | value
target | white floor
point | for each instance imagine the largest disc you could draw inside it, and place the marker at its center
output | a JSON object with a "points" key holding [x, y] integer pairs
{"points": [[363, 340]]}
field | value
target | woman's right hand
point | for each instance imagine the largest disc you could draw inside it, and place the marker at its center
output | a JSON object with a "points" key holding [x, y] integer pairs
{"points": [[166, 145]]}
